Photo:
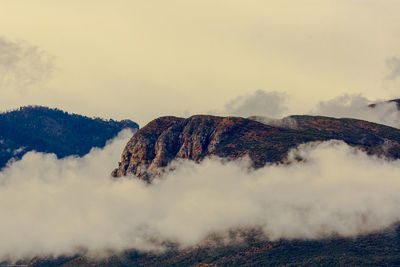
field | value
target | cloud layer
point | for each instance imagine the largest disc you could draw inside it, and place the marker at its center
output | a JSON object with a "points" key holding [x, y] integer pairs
{"points": [[52, 206]]}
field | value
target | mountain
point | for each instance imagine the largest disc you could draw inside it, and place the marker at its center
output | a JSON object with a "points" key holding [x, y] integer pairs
{"points": [[167, 138], [53, 131], [154, 146]]}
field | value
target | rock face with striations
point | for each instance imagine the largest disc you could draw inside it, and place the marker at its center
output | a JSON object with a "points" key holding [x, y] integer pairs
{"points": [[164, 139]]}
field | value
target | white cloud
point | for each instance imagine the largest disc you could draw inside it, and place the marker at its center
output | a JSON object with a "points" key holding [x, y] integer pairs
{"points": [[52, 206]]}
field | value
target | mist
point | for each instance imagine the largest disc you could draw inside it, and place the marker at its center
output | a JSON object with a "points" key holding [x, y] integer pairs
{"points": [[393, 64], [269, 107], [53, 206], [260, 102], [23, 65], [357, 107]]}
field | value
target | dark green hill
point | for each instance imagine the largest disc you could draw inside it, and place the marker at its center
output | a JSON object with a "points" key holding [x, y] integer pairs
{"points": [[53, 131]]}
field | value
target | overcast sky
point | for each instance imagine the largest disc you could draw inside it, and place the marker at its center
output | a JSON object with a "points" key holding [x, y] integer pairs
{"points": [[143, 59]]}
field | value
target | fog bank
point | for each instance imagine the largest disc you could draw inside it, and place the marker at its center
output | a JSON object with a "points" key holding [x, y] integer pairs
{"points": [[52, 206]]}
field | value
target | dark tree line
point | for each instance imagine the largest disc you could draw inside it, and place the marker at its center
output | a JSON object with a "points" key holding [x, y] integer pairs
{"points": [[53, 131]]}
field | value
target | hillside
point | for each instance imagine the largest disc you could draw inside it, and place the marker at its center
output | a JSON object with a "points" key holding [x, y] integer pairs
{"points": [[379, 249], [53, 131], [167, 138]]}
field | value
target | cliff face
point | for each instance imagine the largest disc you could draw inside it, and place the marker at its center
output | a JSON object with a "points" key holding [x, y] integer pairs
{"points": [[168, 138], [140, 151], [154, 146]]}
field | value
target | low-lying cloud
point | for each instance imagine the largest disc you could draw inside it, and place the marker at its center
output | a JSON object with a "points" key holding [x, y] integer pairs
{"points": [[61, 206], [22, 64]]}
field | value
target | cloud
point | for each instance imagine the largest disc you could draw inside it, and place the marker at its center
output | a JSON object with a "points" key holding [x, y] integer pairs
{"points": [[22, 65], [287, 122], [259, 103], [357, 106], [52, 206], [393, 65], [344, 106]]}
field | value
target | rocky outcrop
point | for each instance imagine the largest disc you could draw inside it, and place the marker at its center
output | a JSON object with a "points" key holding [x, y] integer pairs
{"points": [[168, 138], [140, 151], [154, 146]]}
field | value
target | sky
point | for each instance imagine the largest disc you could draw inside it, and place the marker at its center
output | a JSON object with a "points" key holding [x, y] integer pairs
{"points": [[144, 59]]}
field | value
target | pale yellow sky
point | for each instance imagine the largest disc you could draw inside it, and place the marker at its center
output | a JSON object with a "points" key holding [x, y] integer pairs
{"points": [[143, 59]]}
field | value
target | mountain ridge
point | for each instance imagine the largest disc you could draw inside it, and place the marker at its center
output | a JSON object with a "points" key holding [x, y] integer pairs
{"points": [[152, 148], [55, 131]]}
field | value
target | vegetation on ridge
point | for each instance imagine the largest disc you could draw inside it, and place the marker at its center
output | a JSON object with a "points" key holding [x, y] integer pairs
{"points": [[53, 131]]}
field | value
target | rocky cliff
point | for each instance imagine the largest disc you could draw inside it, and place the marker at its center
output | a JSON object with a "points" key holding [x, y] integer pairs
{"points": [[164, 139]]}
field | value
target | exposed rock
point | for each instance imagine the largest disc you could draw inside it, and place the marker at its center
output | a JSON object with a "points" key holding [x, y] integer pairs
{"points": [[167, 138], [140, 151], [153, 147]]}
